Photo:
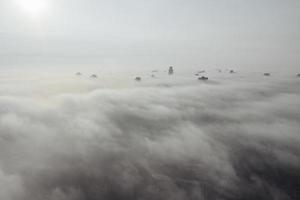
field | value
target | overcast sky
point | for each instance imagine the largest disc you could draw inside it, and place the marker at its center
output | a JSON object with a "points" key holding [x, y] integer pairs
{"points": [[240, 33]]}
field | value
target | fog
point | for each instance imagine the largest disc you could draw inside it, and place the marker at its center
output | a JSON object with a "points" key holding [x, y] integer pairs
{"points": [[88, 110], [68, 137], [109, 33]]}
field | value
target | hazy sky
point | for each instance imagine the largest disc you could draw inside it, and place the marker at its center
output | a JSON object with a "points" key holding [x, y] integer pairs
{"points": [[240, 33]]}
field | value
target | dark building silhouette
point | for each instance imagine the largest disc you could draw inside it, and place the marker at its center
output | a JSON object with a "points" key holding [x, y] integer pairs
{"points": [[203, 78], [93, 76], [171, 70]]}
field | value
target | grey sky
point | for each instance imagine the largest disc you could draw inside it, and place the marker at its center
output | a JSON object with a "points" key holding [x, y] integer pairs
{"points": [[241, 33]]}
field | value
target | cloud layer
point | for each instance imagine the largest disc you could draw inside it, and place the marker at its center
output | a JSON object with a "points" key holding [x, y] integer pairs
{"points": [[174, 139]]}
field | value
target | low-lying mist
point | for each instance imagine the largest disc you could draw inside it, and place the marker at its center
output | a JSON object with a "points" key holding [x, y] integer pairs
{"points": [[233, 137]]}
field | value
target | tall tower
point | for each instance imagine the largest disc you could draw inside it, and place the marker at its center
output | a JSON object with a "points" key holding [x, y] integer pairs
{"points": [[171, 70]]}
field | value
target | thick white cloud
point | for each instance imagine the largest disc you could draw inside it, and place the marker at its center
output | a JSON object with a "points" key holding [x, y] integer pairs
{"points": [[161, 139]]}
